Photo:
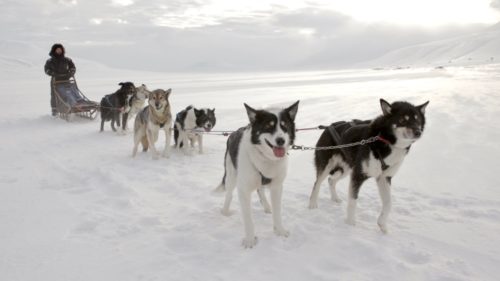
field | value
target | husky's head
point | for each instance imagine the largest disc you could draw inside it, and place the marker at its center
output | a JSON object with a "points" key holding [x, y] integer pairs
{"points": [[158, 99], [205, 118], [127, 90], [405, 120], [127, 87], [273, 131], [142, 92]]}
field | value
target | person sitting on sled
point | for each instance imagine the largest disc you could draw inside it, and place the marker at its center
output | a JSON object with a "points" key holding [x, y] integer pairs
{"points": [[60, 68]]}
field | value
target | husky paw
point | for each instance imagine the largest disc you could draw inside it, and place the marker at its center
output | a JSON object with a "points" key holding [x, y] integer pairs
{"points": [[280, 231], [267, 210], [383, 227], [350, 221], [313, 205], [249, 243], [337, 200], [226, 213], [156, 156], [165, 155]]}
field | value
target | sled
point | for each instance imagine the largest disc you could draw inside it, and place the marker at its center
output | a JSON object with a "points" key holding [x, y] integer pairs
{"points": [[70, 100]]}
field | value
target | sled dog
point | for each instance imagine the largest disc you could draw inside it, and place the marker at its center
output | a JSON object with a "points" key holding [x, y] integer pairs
{"points": [[256, 156], [113, 105], [399, 126], [188, 122], [134, 104], [154, 117]]}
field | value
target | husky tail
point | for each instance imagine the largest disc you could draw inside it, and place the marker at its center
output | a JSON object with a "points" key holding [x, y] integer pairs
{"points": [[222, 186]]}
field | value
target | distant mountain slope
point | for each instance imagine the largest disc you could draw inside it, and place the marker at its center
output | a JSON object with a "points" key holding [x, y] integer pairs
{"points": [[477, 48], [17, 57], [17, 54]]}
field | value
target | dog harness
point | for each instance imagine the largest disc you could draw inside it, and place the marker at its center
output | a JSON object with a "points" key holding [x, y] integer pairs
{"points": [[336, 137], [110, 105], [159, 123]]}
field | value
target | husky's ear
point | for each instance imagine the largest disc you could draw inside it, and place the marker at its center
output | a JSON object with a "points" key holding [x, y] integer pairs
{"points": [[213, 110], [121, 84], [386, 107], [169, 91], [292, 110], [422, 107], [197, 112], [252, 113]]}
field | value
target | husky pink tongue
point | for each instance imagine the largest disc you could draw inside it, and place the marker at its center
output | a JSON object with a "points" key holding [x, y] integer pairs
{"points": [[279, 151]]}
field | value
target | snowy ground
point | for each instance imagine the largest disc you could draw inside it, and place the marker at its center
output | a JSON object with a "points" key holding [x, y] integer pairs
{"points": [[75, 206]]}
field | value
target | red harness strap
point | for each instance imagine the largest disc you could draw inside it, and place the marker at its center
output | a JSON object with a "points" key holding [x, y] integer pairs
{"points": [[383, 140]]}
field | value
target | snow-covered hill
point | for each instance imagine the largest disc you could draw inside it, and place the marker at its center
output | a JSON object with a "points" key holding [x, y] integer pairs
{"points": [[75, 206], [475, 49], [22, 60]]}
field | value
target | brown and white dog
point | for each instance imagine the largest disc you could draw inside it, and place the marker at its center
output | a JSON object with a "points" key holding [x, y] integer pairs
{"points": [[153, 118]]}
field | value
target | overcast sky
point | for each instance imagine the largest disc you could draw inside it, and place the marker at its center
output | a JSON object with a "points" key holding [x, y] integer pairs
{"points": [[182, 35]]}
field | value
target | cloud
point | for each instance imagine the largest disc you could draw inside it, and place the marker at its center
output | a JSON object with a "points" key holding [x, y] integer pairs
{"points": [[65, 2], [122, 2], [185, 35], [312, 18], [103, 43], [495, 4]]}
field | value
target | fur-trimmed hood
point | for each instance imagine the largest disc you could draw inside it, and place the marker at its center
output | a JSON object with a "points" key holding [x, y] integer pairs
{"points": [[53, 50]]}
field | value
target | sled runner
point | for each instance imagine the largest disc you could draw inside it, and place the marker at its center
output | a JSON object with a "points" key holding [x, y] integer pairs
{"points": [[69, 99]]}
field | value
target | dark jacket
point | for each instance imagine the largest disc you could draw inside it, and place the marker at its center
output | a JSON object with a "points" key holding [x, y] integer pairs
{"points": [[59, 66]]}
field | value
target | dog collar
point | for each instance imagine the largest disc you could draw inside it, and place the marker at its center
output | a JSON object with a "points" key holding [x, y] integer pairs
{"points": [[380, 138]]}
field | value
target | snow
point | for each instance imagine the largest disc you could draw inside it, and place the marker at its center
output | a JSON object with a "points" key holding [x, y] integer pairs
{"points": [[75, 206], [472, 49]]}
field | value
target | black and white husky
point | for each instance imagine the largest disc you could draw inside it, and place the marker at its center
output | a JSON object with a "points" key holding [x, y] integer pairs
{"points": [[189, 126], [256, 155], [400, 125]]}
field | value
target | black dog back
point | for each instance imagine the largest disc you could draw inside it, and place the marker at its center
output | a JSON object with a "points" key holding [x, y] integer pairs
{"points": [[113, 104], [337, 133]]}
